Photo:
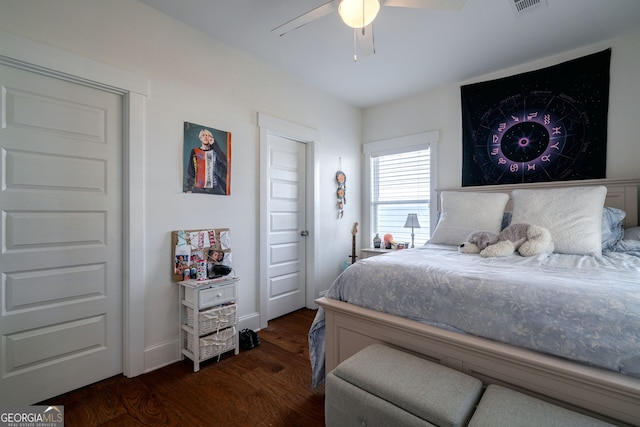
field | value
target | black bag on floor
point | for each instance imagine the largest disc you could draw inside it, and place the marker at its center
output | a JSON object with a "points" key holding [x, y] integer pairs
{"points": [[248, 339]]}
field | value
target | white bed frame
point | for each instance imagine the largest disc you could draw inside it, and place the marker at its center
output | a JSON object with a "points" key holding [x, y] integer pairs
{"points": [[598, 392]]}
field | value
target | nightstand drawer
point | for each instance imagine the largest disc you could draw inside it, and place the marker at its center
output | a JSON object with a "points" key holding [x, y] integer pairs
{"points": [[369, 252], [213, 319], [217, 295]]}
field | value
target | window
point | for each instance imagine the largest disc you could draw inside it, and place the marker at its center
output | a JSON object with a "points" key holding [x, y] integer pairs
{"points": [[399, 183]]}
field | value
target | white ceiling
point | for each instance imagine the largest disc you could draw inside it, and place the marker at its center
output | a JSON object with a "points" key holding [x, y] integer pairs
{"points": [[416, 49]]}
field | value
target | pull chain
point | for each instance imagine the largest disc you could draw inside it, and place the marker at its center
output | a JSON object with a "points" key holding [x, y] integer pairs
{"points": [[355, 45]]}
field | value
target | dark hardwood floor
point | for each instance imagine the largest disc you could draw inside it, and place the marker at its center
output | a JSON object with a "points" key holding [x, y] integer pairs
{"points": [[269, 385]]}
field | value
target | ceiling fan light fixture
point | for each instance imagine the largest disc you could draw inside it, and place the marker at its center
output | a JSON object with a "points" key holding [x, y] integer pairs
{"points": [[358, 13]]}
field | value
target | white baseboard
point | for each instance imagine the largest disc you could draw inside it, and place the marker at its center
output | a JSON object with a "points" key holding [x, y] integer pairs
{"points": [[250, 321], [160, 355]]}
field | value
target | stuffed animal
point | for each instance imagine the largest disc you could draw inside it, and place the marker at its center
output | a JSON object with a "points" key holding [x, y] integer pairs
{"points": [[477, 241], [527, 239]]}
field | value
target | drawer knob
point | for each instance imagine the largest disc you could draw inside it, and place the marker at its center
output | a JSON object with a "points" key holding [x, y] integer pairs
{"points": [[219, 294]]}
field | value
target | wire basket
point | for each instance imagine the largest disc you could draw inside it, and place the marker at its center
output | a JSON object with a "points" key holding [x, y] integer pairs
{"points": [[214, 319], [214, 344]]}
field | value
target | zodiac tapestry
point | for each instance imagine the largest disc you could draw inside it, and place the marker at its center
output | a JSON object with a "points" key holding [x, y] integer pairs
{"points": [[544, 125]]}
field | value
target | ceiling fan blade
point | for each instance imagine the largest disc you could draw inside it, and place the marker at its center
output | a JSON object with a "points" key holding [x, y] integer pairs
{"points": [[305, 18], [365, 40], [427, 4]]}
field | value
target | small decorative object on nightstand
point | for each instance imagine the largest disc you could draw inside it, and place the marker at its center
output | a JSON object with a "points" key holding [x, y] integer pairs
{"points": [[412, 221], [377, 241]]}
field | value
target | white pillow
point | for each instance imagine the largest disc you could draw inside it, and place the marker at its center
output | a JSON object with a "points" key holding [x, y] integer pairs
{"points": [[572, 215], [465, 212]]}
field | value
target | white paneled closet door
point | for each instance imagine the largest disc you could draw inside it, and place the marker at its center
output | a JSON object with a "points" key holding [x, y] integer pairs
{"points": [[287, 231], [61, 235]]}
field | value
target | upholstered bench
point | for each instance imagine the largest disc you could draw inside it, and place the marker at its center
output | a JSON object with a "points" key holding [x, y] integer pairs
{"points": [[383, 386], [503, 407]]}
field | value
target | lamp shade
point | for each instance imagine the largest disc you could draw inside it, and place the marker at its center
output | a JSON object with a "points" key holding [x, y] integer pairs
{"points": [[358, 13], [412, 221]]}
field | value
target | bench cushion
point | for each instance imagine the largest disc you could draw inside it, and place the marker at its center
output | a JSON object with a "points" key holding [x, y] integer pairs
{"points": [[347, 405], [431, 392], [502, 407]]}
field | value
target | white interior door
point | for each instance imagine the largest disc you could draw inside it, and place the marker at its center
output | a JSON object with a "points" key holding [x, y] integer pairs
{"points": [[61, 235], [286, 255]]}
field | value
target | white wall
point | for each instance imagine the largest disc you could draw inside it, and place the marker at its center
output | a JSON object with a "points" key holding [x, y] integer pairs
{"points": [[441, 110], [195, 78]]}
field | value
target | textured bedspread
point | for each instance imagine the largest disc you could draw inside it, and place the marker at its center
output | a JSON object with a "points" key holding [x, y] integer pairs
{"points": [[581, 308]]}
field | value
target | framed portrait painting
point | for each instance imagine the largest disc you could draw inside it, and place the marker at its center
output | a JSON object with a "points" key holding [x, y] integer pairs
{"points": [[206, 160]]}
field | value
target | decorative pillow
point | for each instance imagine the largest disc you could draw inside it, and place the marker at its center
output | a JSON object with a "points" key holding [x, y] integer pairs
{"points": [[465, 212], [632, 233], [612, 227], [572, 215], [612, 230]]}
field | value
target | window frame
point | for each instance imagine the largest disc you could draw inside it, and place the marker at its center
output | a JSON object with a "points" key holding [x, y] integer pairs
{"points": [[421, 141]]}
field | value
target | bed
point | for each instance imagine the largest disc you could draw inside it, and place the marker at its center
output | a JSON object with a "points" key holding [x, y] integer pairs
{"points": [[420, 299]]}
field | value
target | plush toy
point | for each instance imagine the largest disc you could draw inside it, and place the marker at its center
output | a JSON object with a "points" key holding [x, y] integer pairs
{"points": [[528, 240], [477, 241]]}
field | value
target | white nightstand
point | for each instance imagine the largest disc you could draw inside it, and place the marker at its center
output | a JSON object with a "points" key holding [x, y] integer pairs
{"points": [[369, 252], [208, 317]]}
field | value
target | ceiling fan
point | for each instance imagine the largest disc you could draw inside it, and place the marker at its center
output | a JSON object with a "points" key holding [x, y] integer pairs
{"points": [[359, 14]]}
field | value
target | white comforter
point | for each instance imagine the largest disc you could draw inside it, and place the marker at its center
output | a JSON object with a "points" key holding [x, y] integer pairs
{"points": [[582, 308]]}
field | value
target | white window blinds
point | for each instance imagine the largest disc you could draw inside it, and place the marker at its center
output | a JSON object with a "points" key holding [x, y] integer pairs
{"points": [[400, 184]]}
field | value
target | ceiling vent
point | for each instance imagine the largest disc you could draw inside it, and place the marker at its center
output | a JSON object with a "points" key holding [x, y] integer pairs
{"points": [[524, 6]]}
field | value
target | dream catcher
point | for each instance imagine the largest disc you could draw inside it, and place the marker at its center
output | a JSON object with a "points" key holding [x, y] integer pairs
{"points": [[341, 179]]}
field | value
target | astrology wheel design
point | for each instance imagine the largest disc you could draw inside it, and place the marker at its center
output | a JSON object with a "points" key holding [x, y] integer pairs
{"points": [[537, 137]]}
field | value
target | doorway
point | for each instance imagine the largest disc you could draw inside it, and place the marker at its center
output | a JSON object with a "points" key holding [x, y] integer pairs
{"points": [[288, 224], [62, 226], [46, 62]]}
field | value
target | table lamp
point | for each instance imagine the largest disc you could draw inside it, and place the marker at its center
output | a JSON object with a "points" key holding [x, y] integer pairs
{"points": [[412, 221]]}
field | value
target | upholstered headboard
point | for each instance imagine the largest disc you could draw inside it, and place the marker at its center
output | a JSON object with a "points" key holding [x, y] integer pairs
{"points": [[621, 193]]}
